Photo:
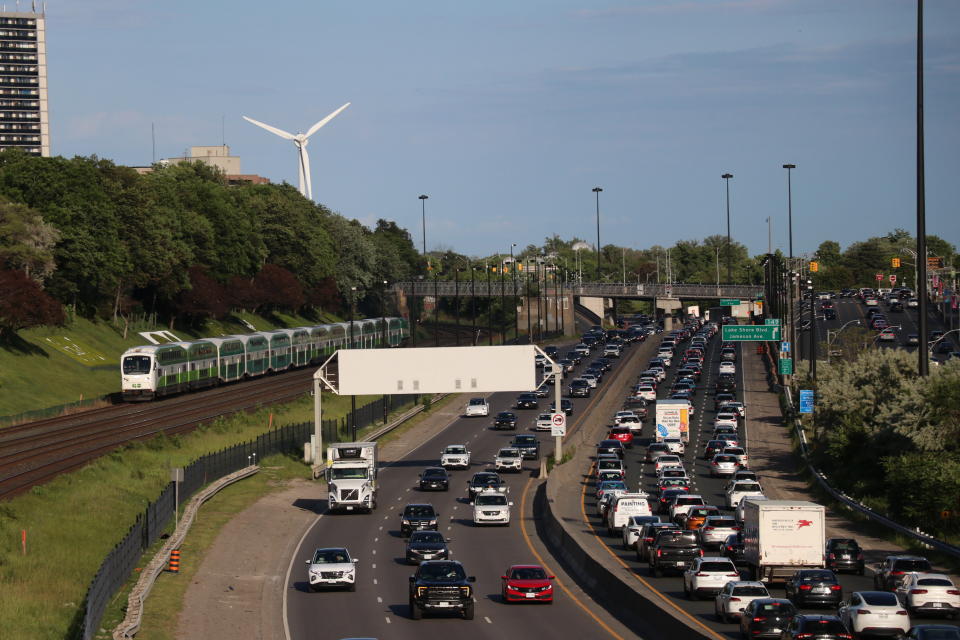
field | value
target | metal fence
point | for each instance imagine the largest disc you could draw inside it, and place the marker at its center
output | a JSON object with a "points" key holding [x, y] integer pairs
{"points": [[150, 525]]}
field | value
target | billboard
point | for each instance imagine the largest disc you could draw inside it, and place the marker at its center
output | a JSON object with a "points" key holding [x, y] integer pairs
{"points": [[436, 370]]}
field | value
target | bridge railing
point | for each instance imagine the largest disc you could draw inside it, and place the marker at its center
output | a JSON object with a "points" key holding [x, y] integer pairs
{"points": [[482, 288]]}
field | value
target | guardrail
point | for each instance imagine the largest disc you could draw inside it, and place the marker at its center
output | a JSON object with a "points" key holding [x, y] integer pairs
{"points": [[853, 503]]}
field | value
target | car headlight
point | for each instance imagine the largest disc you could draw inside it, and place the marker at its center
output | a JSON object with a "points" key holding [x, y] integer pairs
{"points": [[434, 521], [465, 591], [404, 521]]}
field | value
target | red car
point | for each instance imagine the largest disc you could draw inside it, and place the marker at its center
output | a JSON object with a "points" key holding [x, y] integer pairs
{"points": [[623, 434], [527, 583]]}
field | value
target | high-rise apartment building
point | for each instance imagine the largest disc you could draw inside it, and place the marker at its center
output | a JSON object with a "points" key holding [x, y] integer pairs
{"points": [[23, 83]]}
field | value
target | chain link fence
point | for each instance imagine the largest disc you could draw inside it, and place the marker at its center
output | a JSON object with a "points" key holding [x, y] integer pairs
{"points": [[151, 524]]}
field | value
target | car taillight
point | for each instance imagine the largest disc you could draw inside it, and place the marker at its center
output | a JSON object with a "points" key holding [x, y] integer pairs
{"points": [[701, 574], [759, 619], [832, 556], [859, 556], [732, 599], [953, 592], [708, 528], [896, 573], [834, 587], [733, 575], [805, 587], [701, 552], [863, 611], [648, 539], [916, 591], [658, 553], [902, 612], [800, 636]]}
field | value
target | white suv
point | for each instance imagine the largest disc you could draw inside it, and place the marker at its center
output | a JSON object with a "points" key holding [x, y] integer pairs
{"points": [[332, 567], [708, 575], [508, 459], [735, 597], [739, 490], [477, 407], [491, 507], [455, 456]]}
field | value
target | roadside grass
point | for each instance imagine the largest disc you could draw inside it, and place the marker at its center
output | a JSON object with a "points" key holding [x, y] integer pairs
{"points": [[72, 522], [166, 600]]}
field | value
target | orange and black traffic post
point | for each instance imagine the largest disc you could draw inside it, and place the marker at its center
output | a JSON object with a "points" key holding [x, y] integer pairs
{"points": [[174, 565]]}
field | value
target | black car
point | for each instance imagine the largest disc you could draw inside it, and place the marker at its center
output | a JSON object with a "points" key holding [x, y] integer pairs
{"points": [[722, 397], [816, 627], [418, 517], [895, 307], [732, 547], [893, 568], [611, 446], [441, 585], [933, 632], [814, 588], [844, 554], [579, 388], [673, 551], [567, 365], [505, 420], [552, 351], [527, 401], [528, 445], [484, 480], [831, 314], [726, 383], [435, 479], [544, 391], [565, 405], [605, 363], [766, 618], [427, 545], [596, 372]]}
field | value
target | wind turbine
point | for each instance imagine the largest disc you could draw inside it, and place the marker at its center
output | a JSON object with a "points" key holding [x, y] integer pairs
{"points": [[301, 140]]}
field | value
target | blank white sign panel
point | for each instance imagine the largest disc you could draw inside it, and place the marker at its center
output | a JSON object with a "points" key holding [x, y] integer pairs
{"points": [[436, 370]]}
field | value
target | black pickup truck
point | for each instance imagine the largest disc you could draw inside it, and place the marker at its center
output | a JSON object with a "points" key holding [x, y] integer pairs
{"points": [[529, 446], [441, 585], [673, 551]]}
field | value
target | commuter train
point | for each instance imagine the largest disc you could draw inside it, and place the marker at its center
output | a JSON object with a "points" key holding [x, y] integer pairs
{"points": [[157, 370]]}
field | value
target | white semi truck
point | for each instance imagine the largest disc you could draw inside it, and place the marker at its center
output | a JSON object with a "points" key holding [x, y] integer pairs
{"points": [[352, 476], [673, 420], [782, 536]]}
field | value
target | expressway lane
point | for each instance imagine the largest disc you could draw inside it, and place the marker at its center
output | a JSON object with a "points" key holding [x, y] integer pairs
{"points": [[379, 608]]}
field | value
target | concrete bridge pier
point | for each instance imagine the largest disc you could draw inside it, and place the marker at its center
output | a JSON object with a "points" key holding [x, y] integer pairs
{"points": [[668, 305]]}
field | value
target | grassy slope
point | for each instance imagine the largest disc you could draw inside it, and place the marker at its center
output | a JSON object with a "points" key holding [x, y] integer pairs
{"points": [[61, 365]]}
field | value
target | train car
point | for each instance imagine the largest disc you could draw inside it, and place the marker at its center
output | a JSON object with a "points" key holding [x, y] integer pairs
{"points": [[151, 371]]}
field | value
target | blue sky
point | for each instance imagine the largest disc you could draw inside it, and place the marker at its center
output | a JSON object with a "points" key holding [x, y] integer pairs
{"points": [[507, 113]]}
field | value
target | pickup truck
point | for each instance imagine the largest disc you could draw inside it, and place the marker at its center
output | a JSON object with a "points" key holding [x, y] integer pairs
{"points": [[673, 551], [441, 585]]}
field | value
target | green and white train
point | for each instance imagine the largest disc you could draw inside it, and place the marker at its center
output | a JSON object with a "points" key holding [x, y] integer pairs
{"points": [[157, 370]]}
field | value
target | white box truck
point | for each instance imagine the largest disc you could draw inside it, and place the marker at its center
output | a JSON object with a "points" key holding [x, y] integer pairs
{"points": [[673, 420], [781, 536], [352, 476]]}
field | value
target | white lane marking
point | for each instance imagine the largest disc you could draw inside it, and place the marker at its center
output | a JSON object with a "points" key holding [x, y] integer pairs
{"points": [[449, 527], [399, 498], [385, 517], [377, 539], [374, 552], [489, 621], [374, 581], [373, 565], [388, 619], [381, 526], [380, 601]]}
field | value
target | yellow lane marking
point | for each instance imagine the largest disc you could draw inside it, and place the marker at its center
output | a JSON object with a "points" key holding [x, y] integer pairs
{"points": [[523, 530], [583, 511]]}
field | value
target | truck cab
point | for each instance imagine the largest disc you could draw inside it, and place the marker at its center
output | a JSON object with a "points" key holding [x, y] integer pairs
{"points": [[351, 476]]}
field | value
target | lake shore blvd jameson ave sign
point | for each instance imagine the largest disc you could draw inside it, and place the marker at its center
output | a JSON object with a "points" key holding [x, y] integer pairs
{"points": [[750, 332]]}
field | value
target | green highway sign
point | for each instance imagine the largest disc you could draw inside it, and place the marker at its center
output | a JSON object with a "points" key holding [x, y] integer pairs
{"points": [[786, 366], [750, 332], [772, 321], [729, 302]]}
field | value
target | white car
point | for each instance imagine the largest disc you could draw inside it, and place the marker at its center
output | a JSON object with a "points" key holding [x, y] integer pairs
{"points": [[666, 355], [740, 490], [477, 407], [590, 378], [708, 575], [660, 372], [668, 460], [455, 456], [682, 503], [332, 567], [676, 445], [544, 422], [715, 530], [928, 593], [610, 464], [491, 507], [735, 596], [736, 407], [726, 419], [508, 459], [625, 417], [874, 612], [727, 367], [723, 465], [742, 458], [646, 392], [612, 351]]}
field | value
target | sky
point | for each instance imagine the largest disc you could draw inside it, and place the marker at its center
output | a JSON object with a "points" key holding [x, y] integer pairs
{"points": [[506, 113]]}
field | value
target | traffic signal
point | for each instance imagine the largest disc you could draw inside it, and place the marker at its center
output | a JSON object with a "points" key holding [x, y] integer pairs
{"points": [[814, 267], [895, 263]]}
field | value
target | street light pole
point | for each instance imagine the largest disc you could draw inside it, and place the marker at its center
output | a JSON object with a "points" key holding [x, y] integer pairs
{"points": [[597, 191], [726, 178], [423, 220], [923, 364], [513, 272], [790, 296]]}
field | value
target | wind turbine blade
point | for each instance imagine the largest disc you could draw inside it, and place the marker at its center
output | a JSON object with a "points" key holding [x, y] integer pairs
{"points": [[305, 175], [330, 117], [279, 132]]}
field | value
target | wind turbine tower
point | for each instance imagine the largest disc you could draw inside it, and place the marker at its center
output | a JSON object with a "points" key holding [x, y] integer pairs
{"points": [[301, 140]]}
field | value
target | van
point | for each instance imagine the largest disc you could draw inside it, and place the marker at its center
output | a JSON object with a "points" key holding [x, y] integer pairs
{"points": [[624, 506]]}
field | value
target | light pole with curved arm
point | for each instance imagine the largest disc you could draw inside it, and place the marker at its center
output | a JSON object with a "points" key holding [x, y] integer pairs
{"points": [[835, 334]]}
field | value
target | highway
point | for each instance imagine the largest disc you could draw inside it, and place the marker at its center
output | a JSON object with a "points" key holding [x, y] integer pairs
{"points": [[378, 608]]}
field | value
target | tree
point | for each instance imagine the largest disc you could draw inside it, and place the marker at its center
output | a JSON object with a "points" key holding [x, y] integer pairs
{"points": [[26, 241], [23, 303], [277, 288], [206, 298]]}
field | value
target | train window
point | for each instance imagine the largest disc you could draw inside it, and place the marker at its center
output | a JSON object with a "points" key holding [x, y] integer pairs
{"points": [[136, 364]]}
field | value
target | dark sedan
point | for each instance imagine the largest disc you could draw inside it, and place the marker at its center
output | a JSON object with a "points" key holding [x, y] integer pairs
{"points": [[427, 545], [505, 420], [844, 554], [814, 588], [527, 401], [766, 618], [434, 479]]}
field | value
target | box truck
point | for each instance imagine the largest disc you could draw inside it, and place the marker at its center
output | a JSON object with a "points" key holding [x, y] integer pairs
{"points": [[352, 476], [782, 536], [673, 420]]}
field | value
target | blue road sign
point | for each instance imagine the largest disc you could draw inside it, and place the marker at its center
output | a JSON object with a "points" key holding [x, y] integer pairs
{"points": [[785, 346], [806, 400]]}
